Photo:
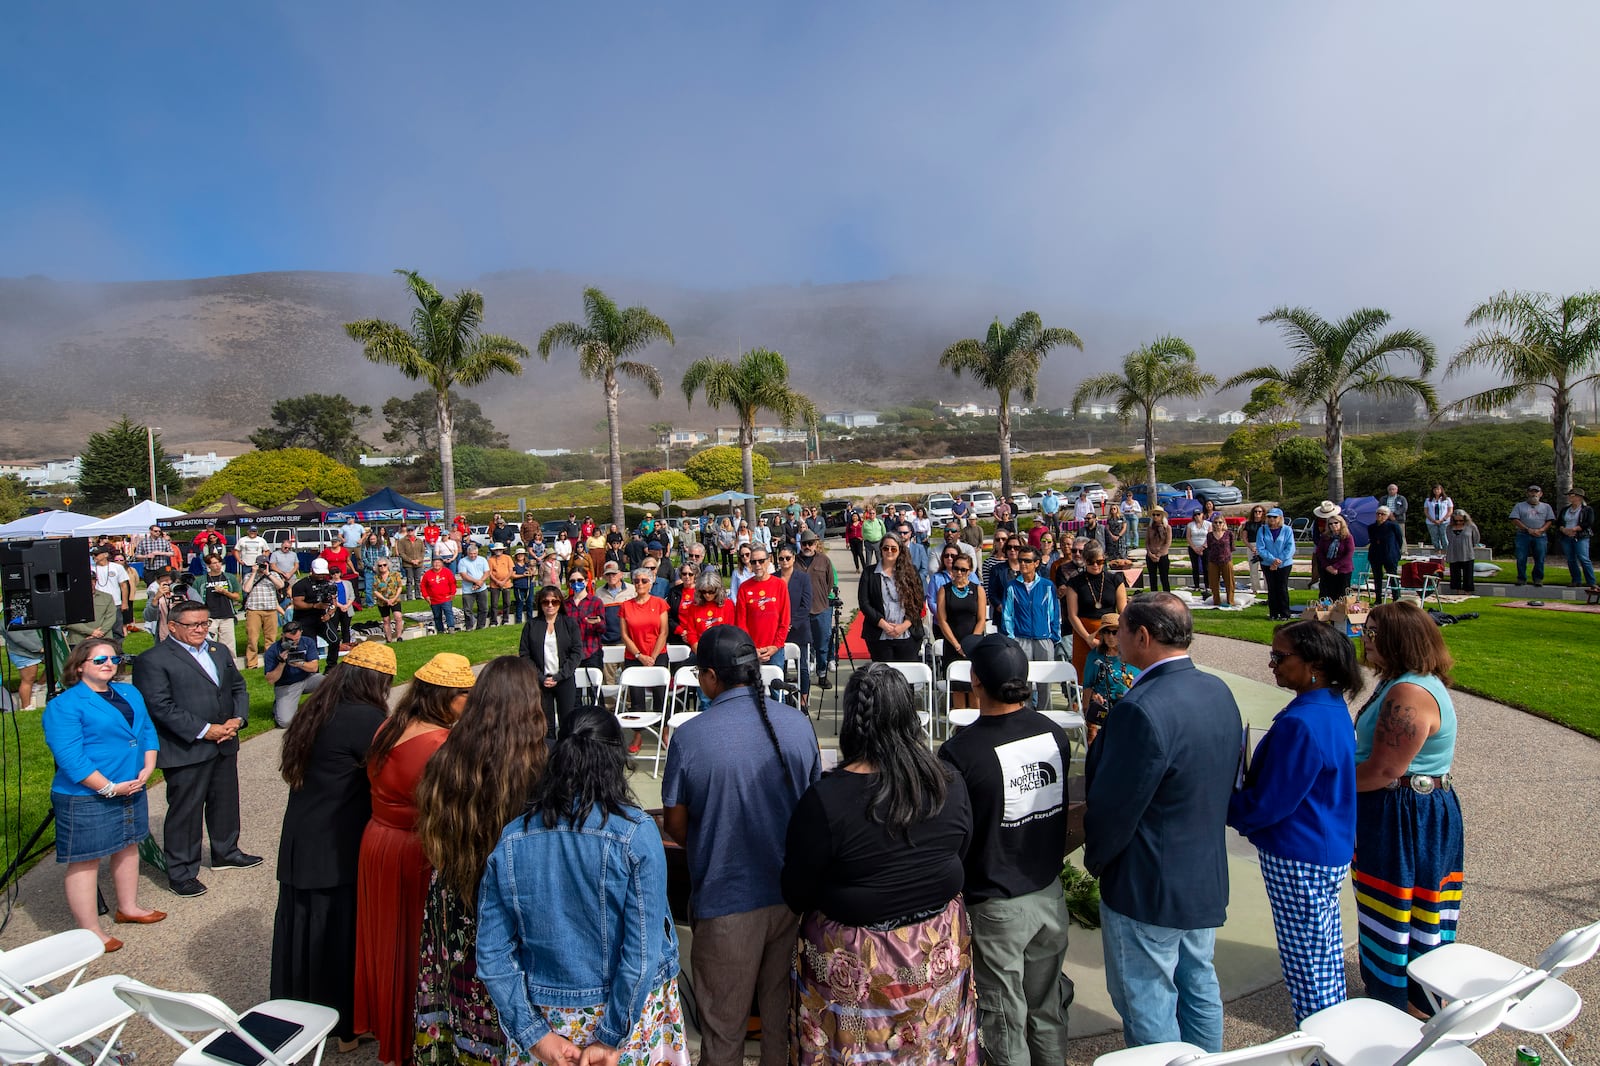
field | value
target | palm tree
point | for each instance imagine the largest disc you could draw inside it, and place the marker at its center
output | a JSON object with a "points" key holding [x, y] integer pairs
{"points": [[1338, 358], [759, 381], [603, 344], [1534, 341], [1007, 360], [447, 348], [1159, 371]]}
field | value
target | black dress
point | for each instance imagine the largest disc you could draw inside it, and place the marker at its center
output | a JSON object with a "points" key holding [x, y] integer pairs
{"points": [[314, 934], [961, 614]]}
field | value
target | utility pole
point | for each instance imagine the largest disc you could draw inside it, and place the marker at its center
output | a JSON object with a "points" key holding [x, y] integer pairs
{"points": [[150, 442]]}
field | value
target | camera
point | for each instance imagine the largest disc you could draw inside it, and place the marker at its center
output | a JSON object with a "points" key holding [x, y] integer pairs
{"points": [[322, 593], [834, 599]]}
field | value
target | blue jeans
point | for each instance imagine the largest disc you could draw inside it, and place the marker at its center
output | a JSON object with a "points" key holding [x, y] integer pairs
{"points": [[522, 602], [1577, 551], [822, 639], [1162, 982], [1133, 531], [444, 616], [1528, 544]]}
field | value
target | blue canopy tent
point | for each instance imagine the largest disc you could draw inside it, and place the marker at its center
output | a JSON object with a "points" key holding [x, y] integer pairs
{"points": [[1359, 513], [385, 505]]}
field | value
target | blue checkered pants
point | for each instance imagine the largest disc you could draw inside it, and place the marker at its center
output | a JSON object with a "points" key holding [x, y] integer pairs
{"points": [[1305, 915]]}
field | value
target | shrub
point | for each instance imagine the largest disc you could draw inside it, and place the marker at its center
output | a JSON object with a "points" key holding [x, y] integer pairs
{"points": [[272, 478], [486, 467], [647, 488], [717, 469]]}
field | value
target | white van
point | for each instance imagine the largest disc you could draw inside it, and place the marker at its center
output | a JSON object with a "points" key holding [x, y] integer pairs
{"points": [[982, 501], [306, 538]]}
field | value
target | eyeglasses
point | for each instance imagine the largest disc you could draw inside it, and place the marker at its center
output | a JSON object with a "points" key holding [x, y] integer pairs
{"points": [[114, 660], [189, 625], [1276, 657], [644, 581]]}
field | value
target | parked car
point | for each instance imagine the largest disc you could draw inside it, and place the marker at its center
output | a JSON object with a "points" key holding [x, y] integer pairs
{"points": [[549, 531], [1022, 503], [982, 502], [1205, 488], [835, 517], [941, 506], [1165, 495], [1093, 490], [306, 538], [897, 507]]}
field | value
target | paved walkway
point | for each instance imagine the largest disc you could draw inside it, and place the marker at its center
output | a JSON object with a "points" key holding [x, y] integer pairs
{"points": [[1531, 796]]}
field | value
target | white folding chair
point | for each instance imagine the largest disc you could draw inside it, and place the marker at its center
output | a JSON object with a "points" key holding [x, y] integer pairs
{"points": [[41, 962], [643, 679], [685, 685], [1459, 971], [177, 1013], [920, 675], [791, 661], [590, 689], [959, 673], [678, 653], [612, 655], [774, 675], [1359, 1032], [1296, 1049], [68, 1019], [1060, 672]]}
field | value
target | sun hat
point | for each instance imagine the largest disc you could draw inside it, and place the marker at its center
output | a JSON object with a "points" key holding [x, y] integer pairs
{"points": [[1327, 509], [447, 669], [1162, 511], [520, 550], [1575, 491], [497, 547], [319, 566], [372, 655], [1275, 512], [1111, 621]]}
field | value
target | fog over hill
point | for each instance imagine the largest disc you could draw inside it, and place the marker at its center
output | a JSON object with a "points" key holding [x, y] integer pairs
{"points": [[205, 358]]}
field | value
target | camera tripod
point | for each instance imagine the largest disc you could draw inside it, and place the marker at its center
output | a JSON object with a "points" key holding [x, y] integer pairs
{"points": [[839, 646]]}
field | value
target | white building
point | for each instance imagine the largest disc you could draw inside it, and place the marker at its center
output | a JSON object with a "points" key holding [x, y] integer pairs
{"points": [[686, 438], [1231, 418], [45, 472], [386, 460], [1160, 414], [545, 453], [190, 465], [764, 435], [852, 419], [968, 410]]}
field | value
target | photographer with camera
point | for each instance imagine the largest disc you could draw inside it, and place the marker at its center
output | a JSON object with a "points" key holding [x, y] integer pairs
{"points": [[314, 600], [222, 593], [292, 665], [263, 589]]}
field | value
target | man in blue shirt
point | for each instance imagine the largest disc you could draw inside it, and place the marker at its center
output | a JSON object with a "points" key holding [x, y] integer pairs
{"points": [[293, 666], [473, 572], [1031, 616], [733, 778]]}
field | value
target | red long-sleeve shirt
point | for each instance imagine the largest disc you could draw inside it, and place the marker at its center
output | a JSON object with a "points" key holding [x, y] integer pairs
{"points": [[762, 610], [438, 585], [695, 619]]}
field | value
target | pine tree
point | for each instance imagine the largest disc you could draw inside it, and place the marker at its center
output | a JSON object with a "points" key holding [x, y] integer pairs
{"points": [[118, 459]]}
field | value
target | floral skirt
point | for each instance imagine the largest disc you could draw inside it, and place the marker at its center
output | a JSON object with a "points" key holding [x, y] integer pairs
{"points": [[457, 1024], [656, 1038], [904, 995]]}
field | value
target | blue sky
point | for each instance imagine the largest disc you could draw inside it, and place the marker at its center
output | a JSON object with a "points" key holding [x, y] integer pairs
{"points": [[1173, 160]]}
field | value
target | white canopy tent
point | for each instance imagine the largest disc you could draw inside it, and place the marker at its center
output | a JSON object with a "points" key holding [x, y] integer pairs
{"points": [[45, 524], [136, 519]]}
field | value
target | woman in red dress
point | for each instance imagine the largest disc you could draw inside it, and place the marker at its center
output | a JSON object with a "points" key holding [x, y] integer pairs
{"points": [[392, 884]]}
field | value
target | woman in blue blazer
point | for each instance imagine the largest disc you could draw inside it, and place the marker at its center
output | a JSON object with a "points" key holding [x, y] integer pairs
{"points": [[105, 750]]}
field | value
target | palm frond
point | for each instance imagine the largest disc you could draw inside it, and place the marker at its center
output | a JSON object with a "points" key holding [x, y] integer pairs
{"points": [[388, 344], [1302, 329], [563, 335], [965, 355], [642, 372], [1491, 399], [1257, 375], [712, 374], [1406, 342], [489, 354], [1099, 387], [637, 328], [1394, 386]]}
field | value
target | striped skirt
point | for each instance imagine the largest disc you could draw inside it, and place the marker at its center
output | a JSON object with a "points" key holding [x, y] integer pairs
{"points": [[1408, 878]]}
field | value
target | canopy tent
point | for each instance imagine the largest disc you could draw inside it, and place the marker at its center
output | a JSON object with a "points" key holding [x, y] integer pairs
{"points": [[136, 519], [1359, 513], [306, 508], [731, 496], [385, 505], [226, 508], [45, 524]]}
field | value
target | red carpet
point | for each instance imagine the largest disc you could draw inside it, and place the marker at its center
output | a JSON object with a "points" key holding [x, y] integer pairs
{"points": [[854, 642]]}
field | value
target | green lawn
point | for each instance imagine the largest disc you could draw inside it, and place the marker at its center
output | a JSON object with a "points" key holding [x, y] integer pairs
{"points": [[37, 767], [1507, 655]]}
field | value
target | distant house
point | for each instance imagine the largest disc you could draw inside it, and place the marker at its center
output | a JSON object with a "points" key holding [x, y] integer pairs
{"points": [[45, 471], [1099, 410], [545, 453], [1197, 416], [1231, 418], [852, 419], [968, 410], [1160, 414], [764, 434], [686, 438], [190, 465], [386, 460]]}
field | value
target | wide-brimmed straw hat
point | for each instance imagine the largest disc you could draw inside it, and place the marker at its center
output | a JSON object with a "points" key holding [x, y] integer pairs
{"points": [[371, 655], [449, 670], [1327, 509]]}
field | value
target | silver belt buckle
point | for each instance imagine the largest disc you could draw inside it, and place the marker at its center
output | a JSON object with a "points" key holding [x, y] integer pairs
{"points": [[1422, 784]]}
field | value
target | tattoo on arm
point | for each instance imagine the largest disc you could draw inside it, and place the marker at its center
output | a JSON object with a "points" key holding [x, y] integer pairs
{"points": [[1398, 724]]}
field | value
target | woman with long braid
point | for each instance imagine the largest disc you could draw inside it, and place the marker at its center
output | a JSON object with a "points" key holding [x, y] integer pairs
{"points": [[733, 777], [873, 864]]}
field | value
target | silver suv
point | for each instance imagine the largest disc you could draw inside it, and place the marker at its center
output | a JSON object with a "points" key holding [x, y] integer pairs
{"points": [[1091, 490]]}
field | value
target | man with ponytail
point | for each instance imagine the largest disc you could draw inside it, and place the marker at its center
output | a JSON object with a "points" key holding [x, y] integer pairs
{"points": [[733, 778], [1014, 761]]}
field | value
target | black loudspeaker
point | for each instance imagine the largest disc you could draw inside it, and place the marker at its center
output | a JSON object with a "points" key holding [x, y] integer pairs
{"points": [[46, 583]]}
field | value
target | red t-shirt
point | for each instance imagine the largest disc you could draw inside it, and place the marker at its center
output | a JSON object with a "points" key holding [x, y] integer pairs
{"points": [[644, 622], [762, 610], [696, 618], [431, 533], [338, 558]]}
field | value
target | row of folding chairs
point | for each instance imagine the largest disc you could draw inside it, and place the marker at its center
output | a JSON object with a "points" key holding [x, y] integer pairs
{"points": [[42, 1022], [1473, 991]]}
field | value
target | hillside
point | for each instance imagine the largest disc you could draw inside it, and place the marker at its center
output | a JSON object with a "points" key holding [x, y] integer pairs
{"points": [[205, 358]]}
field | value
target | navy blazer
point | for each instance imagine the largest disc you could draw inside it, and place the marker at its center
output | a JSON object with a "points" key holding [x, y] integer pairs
{"points": [[86, 732], [1159, 778]]}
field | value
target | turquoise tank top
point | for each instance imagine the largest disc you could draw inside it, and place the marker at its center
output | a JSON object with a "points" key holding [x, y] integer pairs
{"points": [[1438, 751]]}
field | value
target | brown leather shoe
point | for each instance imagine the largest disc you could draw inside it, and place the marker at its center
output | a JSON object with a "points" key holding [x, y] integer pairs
{"points": [[149, 919], [113, 944]]}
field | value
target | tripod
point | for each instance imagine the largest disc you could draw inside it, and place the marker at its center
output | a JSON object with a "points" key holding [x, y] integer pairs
{"points": [[839, 645], [30, 851]]}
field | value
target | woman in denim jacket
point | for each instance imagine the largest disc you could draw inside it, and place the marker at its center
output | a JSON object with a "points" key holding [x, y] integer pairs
{"points": [[564, 973]]}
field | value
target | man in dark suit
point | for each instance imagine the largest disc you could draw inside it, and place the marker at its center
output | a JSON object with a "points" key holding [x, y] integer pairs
{"points": [[1159, 777], [197, 699]]}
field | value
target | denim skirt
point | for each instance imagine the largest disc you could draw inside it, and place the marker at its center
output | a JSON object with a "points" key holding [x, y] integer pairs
{"points": [[92, 827]]}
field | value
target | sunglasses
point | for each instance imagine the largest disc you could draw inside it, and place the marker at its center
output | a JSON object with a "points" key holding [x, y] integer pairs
{"points": [[643, 581], [115, 660], [549, 603], [785, 558], [1276, 657], [963, 569], [891, 551]]}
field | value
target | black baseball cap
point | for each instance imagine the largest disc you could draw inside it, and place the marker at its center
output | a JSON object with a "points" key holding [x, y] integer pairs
{"points": [[996, 659], [726, 649]]}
